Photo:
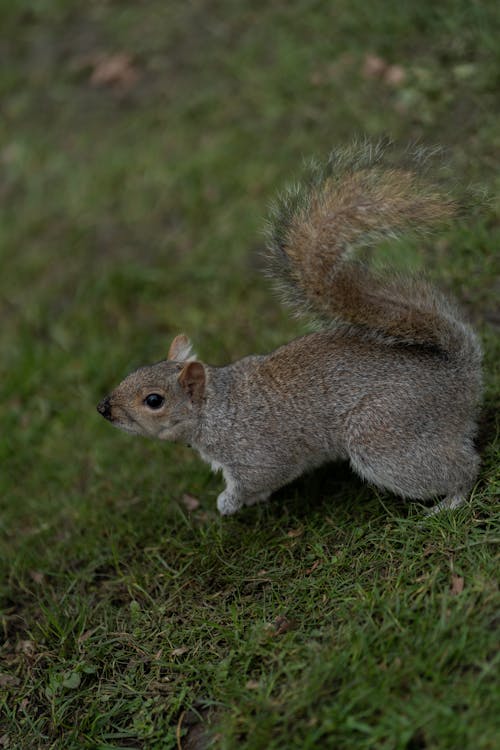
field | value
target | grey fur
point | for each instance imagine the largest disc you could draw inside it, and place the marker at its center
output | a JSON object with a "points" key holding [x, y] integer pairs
{"points": [[397, 402]]}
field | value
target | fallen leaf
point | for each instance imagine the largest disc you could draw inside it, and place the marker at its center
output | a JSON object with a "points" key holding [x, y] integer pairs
{"points": [[457, 584], [86, 635], [179, 651], [203, 516], [281, 625], [313, 567], [190, 502], [394, 75], [114, 70], [317, 78], [8, 680], [295, 532], [253, 684], [26, 647], [373, 66]]}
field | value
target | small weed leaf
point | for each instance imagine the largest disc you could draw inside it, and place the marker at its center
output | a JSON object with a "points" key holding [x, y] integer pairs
{"points": [[72, 680], [135, 610]]}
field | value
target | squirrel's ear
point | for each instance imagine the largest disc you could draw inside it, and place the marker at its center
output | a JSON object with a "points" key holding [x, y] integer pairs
{"points": [[181, 349], [192, 379]]}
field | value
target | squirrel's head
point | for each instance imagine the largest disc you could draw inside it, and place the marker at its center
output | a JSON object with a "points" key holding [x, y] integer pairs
{"points": [[160, 400]]}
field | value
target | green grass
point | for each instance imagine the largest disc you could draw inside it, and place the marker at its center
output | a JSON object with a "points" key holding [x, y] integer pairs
{"points": [[334, 616]]}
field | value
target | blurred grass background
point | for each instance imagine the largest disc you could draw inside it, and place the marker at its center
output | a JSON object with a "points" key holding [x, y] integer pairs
{"points": [[140, 145]]}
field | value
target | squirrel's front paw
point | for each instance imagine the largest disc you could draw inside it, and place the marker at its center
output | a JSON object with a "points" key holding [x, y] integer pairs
{"points": [[228, 503]]}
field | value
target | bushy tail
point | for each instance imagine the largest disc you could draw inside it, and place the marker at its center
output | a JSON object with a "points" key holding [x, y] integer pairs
{"points": [[362, 195]]}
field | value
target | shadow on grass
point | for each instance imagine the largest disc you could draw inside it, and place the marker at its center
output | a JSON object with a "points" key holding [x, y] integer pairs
{"points": [[333, 489], [488, 425]]}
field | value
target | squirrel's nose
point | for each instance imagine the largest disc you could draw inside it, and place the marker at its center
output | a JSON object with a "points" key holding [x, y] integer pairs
{"points": [[104, 408]]}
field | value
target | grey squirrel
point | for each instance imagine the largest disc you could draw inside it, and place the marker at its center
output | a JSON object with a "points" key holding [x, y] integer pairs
{"points": [[391, 382]]}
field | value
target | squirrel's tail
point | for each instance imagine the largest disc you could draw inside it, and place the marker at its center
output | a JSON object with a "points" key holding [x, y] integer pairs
{"points": [[362, 195]]}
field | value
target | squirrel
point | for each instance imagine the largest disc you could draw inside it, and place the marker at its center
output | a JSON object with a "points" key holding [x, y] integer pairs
{"points": [[391, 381]]}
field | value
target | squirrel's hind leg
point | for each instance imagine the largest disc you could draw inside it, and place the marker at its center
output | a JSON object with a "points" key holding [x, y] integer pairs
{"points": [[448, 503], [388, 451]]}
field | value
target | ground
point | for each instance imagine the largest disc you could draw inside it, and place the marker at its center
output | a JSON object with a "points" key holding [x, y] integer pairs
{"points": [[140, 146]]}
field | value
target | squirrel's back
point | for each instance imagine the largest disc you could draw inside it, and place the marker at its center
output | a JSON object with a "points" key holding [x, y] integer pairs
{"points": [[361, 195]]}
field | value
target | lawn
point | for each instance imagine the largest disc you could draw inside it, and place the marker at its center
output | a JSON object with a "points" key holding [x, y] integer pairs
{"points": [[140, 146]]}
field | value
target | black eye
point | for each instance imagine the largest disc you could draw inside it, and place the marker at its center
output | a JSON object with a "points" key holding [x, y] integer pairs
{"points": [[154, 401]]}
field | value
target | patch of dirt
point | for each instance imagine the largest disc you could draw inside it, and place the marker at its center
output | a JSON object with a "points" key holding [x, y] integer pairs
{"points": [[198, 735]]}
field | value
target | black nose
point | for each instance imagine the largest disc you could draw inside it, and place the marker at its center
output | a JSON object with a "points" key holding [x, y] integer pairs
{"points": [[104, 408]]}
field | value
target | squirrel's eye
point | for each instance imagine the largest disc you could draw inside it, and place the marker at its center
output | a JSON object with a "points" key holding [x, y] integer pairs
{"points": [[154, 401]]}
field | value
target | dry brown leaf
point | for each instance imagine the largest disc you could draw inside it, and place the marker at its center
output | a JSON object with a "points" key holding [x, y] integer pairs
{"points": [[394, 75], [295, 532], [457, 584], [8, 680], [253, 684], [313, 567], [26, 647], [281, 625], [373, 66], [114, 70], [203, 516], [86, 635], [190, 502]]}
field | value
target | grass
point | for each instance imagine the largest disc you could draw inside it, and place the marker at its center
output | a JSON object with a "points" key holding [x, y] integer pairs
{"points": [[335, 616]]}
